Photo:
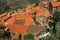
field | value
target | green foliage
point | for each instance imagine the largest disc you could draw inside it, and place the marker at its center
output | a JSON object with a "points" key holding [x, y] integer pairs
{"points": [[28, 37], [14, 4], [2, 6], [33, 1], [38, 23], [47, 30], [49, 38], [2, 26], [56, 16], [34, 18]]}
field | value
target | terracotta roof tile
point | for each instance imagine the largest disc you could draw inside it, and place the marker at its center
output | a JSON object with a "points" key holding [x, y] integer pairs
{"points": [[37, 8], [55, 4], [5, 17], [1, 15], [33, 9], [44, 12], [18, 28], [28, 19], [10, 21]]}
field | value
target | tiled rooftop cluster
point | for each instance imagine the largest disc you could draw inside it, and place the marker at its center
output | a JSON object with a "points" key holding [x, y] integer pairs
{"points": [[21, 20]]}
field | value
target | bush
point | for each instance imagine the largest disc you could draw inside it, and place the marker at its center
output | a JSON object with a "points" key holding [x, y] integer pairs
{"points": [[32, 1], [56, 16], [28, 37]]}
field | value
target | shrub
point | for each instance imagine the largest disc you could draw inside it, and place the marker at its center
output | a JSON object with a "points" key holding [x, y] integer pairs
{"points": [[28, 37], [56, 16]]}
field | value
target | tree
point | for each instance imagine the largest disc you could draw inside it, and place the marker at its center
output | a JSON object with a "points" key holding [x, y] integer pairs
{"points": [[2, 6], [49, 38], [34, 18], [56, 16], [28, 37], [58, 30], [32, 1]]}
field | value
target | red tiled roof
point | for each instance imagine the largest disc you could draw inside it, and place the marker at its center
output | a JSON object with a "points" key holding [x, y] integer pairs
{"points": [[5, 17], [33, 9], [18, 28], [13, 14], [44, 12], [10, 21], [18, 13], [2, 14], [55, 4], [28, 19], [37, 8]]}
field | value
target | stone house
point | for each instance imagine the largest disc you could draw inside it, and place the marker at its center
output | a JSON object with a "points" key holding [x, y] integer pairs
{"points": [[54, 6]]}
